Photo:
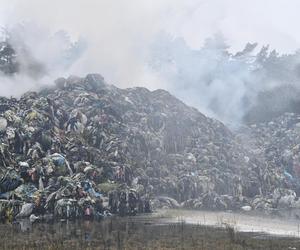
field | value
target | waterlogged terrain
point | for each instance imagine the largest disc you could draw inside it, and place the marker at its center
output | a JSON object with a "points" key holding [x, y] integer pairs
{"points": [[281, 223], [171, 229]]}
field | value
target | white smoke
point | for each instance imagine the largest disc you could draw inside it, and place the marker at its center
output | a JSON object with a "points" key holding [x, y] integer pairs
{"points": [[116, 39]]}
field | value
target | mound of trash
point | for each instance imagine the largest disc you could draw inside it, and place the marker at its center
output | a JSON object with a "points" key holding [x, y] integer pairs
{"points": [[87, 148], [277, 142]]}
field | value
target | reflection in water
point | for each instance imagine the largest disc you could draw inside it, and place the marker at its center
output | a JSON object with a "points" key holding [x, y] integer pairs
{"points": [[25, 225], [282, 223], [285, 223]]}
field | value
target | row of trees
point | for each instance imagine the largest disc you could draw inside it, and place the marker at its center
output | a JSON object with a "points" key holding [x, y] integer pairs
{"points": [[8, 59], [254, 84], [26, 49]]}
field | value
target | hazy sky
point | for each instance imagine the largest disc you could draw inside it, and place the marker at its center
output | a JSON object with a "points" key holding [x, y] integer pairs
{"points": [[265, 21]]}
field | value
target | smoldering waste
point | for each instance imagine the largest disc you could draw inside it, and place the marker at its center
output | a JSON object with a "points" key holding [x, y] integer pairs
{"points": [[87, 148]]}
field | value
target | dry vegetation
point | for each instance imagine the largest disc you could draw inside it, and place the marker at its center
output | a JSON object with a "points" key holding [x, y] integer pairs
{"points": [[131, 233]]}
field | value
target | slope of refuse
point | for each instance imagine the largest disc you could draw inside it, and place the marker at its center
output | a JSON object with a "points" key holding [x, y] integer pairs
{"points": [[87, 148], [277, 142]]}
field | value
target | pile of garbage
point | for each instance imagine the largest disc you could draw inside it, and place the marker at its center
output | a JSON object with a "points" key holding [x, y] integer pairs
{"points": [[277, 142], [84, 148]]}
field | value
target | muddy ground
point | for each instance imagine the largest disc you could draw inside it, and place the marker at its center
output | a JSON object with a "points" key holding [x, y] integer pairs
{"points": [[140, 232]]}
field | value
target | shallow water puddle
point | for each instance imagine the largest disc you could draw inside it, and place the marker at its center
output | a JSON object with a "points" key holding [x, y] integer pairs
{"points": [[283, 225]]}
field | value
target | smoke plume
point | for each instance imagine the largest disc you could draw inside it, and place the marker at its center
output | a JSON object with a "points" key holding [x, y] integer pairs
{"points": [[156, 44]]}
